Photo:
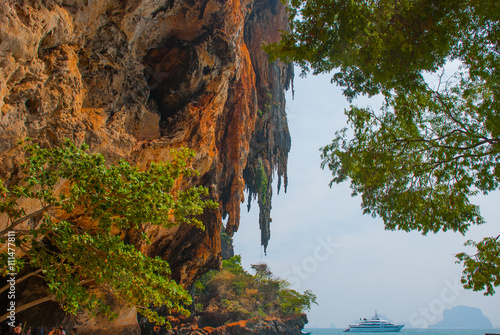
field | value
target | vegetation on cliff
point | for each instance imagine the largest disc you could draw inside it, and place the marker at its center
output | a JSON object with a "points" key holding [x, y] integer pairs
{"points": [[418, 162], [76, 242], [232, 294]]}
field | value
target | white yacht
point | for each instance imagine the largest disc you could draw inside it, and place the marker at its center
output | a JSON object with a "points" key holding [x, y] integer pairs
{"points": [[376, 324]]}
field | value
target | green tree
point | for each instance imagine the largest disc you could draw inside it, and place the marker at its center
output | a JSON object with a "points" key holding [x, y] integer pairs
{"points": [[292, 302], [237, 294], [435, 143], [74, 240]]}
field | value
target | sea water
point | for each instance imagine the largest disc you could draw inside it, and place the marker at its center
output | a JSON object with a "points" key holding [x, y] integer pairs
{"points": [[407, 331]]}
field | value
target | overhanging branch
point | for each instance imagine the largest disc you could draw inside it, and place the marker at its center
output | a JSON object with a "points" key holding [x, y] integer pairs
{"points": [[21, 279], [27, 306], [4, 232]]}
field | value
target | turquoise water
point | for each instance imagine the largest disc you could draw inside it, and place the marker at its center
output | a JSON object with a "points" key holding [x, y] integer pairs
{"points": [[409, 331]]}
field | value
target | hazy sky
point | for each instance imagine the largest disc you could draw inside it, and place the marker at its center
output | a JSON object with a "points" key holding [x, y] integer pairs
{"points": [[321, 241]]}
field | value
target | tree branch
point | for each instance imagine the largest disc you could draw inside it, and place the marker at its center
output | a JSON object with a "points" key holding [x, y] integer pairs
{"points": [[28, 305], [27, 217], [21, 279]]}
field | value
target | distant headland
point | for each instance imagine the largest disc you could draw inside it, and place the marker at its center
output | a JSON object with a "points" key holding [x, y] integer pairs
{"points": [[463, 317]]}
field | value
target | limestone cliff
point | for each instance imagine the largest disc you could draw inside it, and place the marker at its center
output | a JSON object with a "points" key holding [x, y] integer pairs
{"points": [[270, 325], [135, 78]]}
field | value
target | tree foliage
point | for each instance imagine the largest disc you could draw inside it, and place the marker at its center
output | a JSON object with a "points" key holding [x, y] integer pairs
{"points": [[238, 295], [375, 46], [483, 269], [418, 161], [76, 236]]}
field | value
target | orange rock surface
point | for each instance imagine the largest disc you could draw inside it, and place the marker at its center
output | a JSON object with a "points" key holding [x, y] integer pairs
{"points": [[136, 78]]}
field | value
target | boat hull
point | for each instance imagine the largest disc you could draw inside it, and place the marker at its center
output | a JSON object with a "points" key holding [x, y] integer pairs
{"points": [[386, 329]]}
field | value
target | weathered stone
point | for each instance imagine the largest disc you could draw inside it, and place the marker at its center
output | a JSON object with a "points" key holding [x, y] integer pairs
{"points": [[292, 325], [136, 78]]}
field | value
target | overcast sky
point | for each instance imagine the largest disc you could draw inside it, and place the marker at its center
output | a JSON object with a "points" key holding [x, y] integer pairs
{"points": [[321, 241]]}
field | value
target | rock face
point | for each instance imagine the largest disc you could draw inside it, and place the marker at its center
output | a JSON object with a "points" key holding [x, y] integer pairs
{"points": [[136, 78], [271, 325]]}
